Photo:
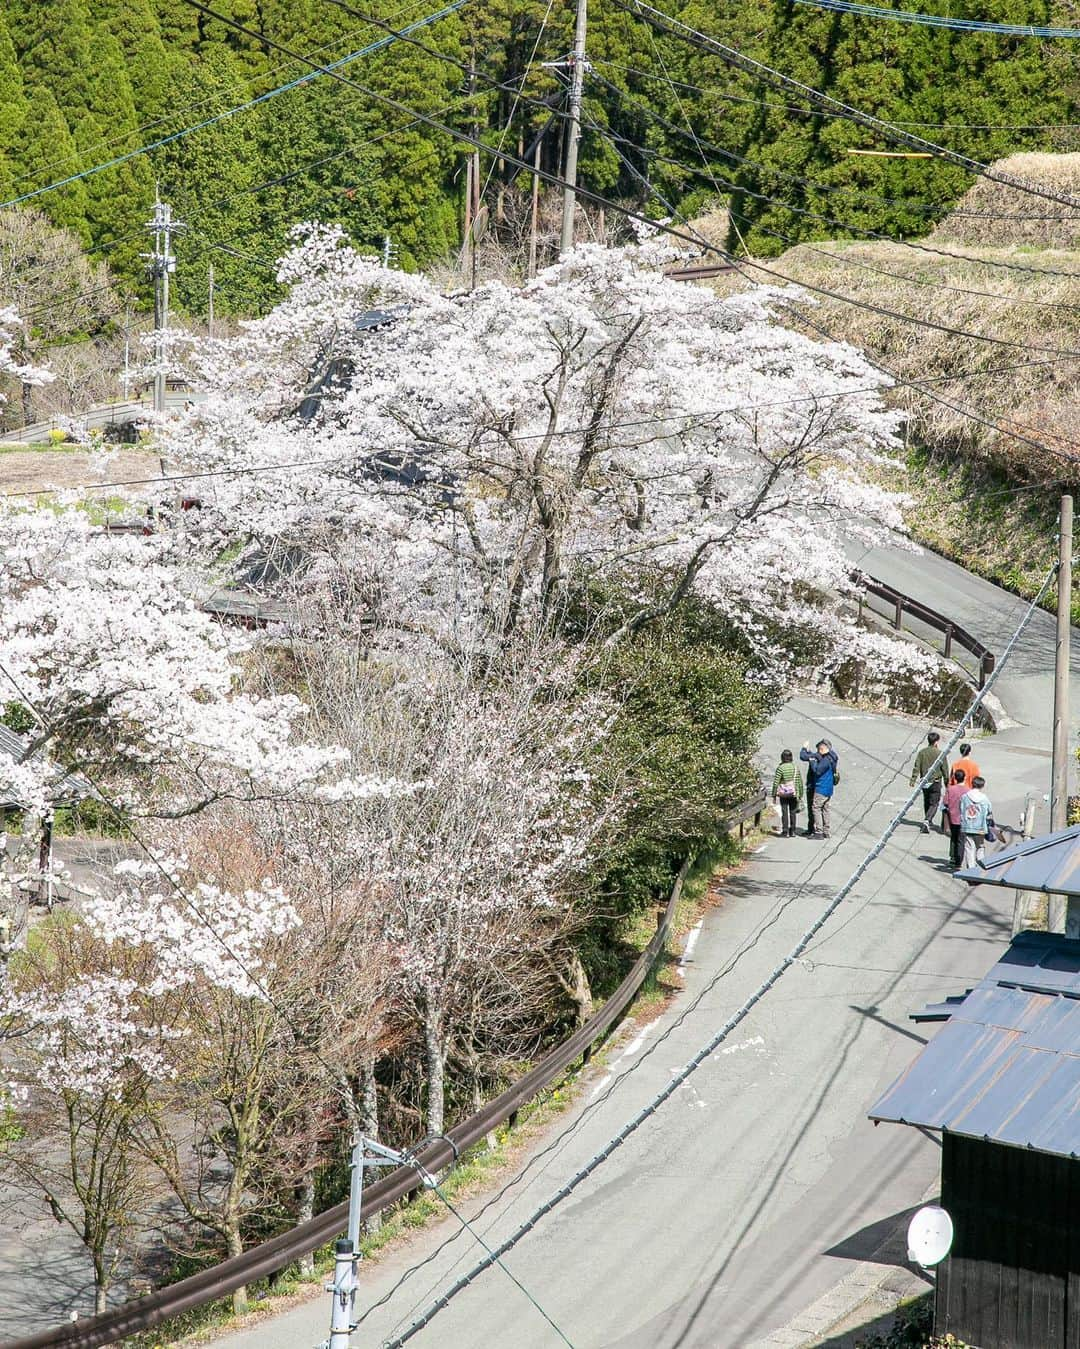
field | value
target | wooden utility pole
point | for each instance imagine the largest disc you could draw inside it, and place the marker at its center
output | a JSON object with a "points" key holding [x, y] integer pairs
{"points": [[573, 127], [1063, 914]]}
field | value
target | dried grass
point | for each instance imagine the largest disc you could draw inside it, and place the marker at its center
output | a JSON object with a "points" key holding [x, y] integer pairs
{"points": [[1041, 401], [992, 215]]}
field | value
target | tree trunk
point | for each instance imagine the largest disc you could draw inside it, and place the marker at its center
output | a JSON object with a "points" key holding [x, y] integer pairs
{"points": [[578, 990], [27, 404], [235, 1246], [305, 1211], [369, 1121], [436, 1078]]}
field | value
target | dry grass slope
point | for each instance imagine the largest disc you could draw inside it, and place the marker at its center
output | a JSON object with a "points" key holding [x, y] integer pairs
{"points": [[1036, 312]]}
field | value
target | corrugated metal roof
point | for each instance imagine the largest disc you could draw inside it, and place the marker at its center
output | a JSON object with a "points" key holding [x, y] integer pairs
{"points": [[1051, 863], [68, 788], [1006, 1064]]}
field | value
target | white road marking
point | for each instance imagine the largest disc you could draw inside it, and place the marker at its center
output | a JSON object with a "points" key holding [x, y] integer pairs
{"points": [[760, 849], [752, 1043], [688, 949], [599, 1086], [636, 1043]]}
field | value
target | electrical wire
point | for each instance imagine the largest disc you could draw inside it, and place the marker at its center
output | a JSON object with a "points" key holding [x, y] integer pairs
{"points": [[330, 69], [106, 142], [940, 20], [735, 187], [763, 989], [807, 112], [702, 416], [890, 130]]}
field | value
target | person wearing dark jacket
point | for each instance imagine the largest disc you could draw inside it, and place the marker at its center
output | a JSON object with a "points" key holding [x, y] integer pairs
{"points": [[823, 765], [932, 788]]}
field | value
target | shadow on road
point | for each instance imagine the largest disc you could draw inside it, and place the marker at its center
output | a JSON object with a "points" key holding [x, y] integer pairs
{"points": [[882, 1243], [873, 1332]]}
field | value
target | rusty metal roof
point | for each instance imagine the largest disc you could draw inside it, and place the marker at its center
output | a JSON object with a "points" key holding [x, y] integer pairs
{"points": [[1006, 1064], [1051, 863]]}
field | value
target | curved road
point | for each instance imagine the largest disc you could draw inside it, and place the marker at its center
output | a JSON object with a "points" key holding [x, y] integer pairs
{"points": [[760, 1186]]}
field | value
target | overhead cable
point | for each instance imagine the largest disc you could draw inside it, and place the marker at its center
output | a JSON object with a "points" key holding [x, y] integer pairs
{"points": [[940, 20], [890, 130], [330, 69], [763, 989]]}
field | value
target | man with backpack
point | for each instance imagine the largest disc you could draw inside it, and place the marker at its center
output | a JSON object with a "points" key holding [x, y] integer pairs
{"points": [[823, 765]]}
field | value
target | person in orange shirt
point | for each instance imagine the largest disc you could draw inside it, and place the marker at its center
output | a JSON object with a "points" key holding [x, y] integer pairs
{"points": [[967, 765]]}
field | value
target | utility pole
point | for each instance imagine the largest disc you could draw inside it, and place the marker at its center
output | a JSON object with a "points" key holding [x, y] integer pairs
{"points": [[1062, 913], [347, 1251], [534, 209], [577, 82], [210, 302], [162, 265]]}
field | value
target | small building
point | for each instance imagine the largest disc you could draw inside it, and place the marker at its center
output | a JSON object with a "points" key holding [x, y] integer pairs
{"points": [[1001, 1082]]}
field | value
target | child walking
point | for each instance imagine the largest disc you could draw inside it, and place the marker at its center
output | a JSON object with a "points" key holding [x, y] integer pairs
{"points": [[787, 788]]}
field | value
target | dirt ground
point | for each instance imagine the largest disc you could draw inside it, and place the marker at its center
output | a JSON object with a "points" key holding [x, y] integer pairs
{"points": [[46, 470]]}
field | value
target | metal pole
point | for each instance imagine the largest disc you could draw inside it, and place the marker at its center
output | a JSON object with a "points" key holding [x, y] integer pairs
{"points": [[166, 264], [210, 308], [1059, 779], [159, 310], [577, 81], [534, 214], [344, 1290]]}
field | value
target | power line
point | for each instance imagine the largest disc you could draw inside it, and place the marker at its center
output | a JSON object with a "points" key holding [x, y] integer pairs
{"points": [[732, 57], [723, 185], [331, 69], [174, 113], [763, 989], [807, 112], [247, 470], [835, 189], [940, 20]]}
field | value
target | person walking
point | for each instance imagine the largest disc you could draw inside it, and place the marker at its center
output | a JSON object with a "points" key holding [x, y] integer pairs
{"points": [[823, 762], [954, 793], [976, 822], [809, 796], [931, 792], [787, 788], [967, 765]]}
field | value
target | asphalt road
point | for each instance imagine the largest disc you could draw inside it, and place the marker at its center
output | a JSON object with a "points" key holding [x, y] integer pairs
{"points": [[760, 1186]]}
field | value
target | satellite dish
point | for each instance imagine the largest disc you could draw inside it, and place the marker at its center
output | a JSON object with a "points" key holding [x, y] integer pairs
{"points": [[929, 1236]]}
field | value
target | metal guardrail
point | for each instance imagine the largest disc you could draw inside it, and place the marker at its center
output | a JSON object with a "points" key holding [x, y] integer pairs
{"points": [[271, 1256], [954, 634]]}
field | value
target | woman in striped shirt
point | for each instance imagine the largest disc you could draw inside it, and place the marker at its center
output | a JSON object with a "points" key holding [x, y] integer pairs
{"points": [[787, 788]]}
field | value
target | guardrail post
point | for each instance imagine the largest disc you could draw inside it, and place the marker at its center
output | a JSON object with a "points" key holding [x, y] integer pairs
{"points": [[948, 641], [587, 1055], [899, 618], [512, 1119]]}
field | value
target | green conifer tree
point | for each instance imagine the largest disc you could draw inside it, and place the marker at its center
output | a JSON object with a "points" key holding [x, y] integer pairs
{"points": [[13, 110]]}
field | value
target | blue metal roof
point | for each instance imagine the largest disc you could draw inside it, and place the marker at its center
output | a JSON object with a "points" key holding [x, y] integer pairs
{"points": [[1051, 864], [1006, 1064]]}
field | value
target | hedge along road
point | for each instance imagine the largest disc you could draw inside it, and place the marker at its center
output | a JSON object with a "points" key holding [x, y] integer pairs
{"points": [[761, 1185]]}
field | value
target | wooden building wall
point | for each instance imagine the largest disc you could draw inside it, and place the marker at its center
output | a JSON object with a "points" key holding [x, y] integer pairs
{"points": [[1012, 1280]]}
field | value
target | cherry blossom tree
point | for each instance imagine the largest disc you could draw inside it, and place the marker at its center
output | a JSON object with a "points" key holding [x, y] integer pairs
{"points": [[126, 680], [488, 451], [86, 1051]]}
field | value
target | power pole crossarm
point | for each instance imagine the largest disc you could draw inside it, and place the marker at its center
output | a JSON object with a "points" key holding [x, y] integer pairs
{"points": [[162, 264], [573, 126]]}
